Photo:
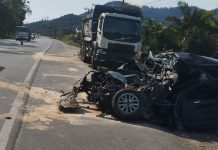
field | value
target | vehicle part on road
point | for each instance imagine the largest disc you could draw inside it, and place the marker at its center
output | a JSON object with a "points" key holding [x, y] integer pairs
{"points": [[68, 102], [100, 89]]}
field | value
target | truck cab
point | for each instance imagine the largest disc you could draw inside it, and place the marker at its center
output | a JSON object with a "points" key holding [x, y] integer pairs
{"points": [[23, 33], [118, 38], [110, 36]]}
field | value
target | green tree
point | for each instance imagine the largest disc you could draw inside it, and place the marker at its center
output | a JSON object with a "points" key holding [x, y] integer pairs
{"points": [[12, 13], [158, 36], [197, 30]]}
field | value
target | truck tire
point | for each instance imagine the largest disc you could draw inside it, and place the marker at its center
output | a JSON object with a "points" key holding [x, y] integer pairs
{"points": [[83, 56], [93, 61], [128, 105]]}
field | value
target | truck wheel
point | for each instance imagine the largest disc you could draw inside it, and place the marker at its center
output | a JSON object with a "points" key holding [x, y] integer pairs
{"points": [[83, 55], [93, 63], [128, 105], [84, 58]]}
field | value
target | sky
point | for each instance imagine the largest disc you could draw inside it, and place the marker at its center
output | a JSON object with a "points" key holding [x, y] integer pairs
{"points": [[56, 8]]}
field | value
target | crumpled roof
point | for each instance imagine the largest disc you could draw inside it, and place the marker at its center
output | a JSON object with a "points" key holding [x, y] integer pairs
{"points": [[197, 59]]}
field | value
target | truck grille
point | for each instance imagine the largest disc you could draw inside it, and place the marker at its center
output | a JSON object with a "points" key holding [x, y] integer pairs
{"points": [[121, 47]]}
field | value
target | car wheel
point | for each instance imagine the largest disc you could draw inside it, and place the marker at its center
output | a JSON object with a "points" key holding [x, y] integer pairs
{"points": [[128, 105]]}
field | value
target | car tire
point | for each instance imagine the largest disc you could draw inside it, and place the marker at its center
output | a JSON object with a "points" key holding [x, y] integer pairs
{"points": [[128, 105]]}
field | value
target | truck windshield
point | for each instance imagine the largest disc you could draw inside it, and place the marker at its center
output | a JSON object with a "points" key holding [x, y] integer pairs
{"points": [[122, 26], [21, 29]]}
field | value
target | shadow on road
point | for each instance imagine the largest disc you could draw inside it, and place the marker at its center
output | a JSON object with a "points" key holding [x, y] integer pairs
{"points": [[17, 53], [17, 44], [74, 111], [1, 68], [205, 135], [208, 136]]}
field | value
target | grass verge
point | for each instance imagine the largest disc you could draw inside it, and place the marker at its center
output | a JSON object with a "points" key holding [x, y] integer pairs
{"points": [[68, 40]]}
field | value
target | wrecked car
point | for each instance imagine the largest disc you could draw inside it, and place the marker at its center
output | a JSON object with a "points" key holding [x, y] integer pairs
{"points": [[179, 88]]}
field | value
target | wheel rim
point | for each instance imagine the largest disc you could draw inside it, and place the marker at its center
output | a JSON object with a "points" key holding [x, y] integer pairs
{"points": [[128, 103]]}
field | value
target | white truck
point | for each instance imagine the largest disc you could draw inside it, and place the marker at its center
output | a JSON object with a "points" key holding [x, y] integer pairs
{"points": [[110, 35], [23, 33]]}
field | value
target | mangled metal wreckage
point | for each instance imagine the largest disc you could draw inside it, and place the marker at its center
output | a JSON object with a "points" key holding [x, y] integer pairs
{"points": [[180, 88]]}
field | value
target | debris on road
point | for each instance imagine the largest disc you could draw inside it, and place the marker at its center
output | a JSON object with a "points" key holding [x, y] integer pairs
{"points": [[68, 102], [42, 114]]}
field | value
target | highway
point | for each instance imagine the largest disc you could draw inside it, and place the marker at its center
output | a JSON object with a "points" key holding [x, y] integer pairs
{"points": [[31, 78]]}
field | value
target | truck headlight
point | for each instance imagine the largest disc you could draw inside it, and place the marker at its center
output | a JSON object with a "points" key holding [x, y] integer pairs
{"points": [[101, 51]]}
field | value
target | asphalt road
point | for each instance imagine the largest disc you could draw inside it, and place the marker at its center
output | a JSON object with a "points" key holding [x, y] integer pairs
{"points": [[31, 77]]}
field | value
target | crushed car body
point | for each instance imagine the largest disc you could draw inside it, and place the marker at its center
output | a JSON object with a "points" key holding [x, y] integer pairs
{"points": [[177, 88]]}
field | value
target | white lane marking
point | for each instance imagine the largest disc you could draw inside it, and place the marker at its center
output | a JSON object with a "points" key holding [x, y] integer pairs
{"points": [[31, 73], [18, 103], [73, 69], [59, 75], [8, 124]]}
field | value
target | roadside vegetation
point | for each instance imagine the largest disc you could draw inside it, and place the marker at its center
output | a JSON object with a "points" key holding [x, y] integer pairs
{"points": [[12, 14], [196, 32], [69, 39]]}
